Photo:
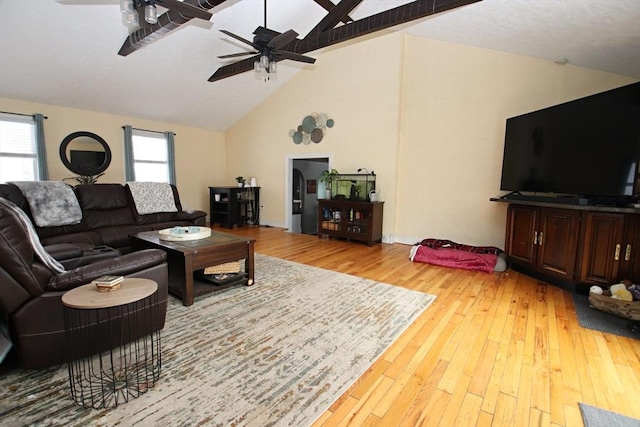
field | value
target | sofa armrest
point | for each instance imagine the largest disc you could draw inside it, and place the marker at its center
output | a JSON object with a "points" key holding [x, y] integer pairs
{"points": [[197, 217], [120, 266]]}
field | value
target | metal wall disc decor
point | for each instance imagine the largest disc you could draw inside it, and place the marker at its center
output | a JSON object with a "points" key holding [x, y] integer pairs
{"points": [[313, 129]]}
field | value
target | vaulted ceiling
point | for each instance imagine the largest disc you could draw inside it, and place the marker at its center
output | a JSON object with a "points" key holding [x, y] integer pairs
{"points": [[65, 52]]}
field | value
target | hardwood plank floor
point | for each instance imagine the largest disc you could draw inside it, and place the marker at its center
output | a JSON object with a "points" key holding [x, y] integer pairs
{"points": [[499, 349]]}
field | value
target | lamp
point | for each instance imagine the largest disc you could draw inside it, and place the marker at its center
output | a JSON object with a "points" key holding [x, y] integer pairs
{"points": [[265, 64], [151, 13], [126, 6], [129, 10]]}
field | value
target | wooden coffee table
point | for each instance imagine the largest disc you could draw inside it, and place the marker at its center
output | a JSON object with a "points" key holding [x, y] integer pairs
{"points": [[186, 257]]}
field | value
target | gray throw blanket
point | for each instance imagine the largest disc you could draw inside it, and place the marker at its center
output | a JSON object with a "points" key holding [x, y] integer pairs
{"points": [[52, 203], [47, 259]]}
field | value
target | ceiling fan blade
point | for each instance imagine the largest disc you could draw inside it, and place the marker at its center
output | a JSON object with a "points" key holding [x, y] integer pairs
{"points": [[235, 55], [282, 40], [233, 69], [262, 31], [230, 34], [185, 9], [283, 54]]}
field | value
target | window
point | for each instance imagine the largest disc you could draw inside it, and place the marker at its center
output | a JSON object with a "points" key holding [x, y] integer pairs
{"points": [[22, 155], [149, 155]]}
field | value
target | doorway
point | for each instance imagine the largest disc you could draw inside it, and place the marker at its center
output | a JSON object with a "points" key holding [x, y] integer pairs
{"points": [[302, 189]]}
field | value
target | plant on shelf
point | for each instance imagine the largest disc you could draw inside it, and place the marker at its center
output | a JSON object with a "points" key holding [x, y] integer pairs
{"points": [[84, 179], [241, 181], [327, 177]]}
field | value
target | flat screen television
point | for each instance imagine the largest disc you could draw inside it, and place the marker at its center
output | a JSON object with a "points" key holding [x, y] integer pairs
{"points": [[587, 148], [88, 161]]}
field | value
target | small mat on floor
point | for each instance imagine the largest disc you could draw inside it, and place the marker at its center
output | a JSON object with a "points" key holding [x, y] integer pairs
{"points": [[596, 417], [591, 318]]}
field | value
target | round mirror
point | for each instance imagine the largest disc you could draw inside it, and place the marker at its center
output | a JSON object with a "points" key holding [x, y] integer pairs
{"points": [[85, 153]]}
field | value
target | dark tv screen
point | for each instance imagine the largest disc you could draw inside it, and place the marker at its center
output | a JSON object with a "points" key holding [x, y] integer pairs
{"points": [[88, 161], [587, 147]]}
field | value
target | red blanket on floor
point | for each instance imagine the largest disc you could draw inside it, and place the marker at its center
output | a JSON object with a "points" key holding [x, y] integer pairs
{"points": [[450, 254]]}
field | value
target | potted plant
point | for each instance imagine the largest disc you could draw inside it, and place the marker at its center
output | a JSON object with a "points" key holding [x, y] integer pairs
{"points": [[241, 181], [327, 177]]}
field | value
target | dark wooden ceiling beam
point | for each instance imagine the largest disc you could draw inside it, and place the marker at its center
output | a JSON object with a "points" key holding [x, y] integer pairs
{"points": [[328, 6], [168, 21], [335, 15], [380, 21]]}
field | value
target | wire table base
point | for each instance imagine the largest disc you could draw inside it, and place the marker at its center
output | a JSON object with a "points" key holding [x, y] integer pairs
{"points": [[114, 354]]}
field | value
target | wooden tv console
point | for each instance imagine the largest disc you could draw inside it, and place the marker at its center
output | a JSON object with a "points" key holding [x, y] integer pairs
{"points": [[573, 246]]}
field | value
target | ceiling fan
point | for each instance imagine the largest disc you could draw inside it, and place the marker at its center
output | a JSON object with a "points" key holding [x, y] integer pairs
{"points": [[270, 47]]}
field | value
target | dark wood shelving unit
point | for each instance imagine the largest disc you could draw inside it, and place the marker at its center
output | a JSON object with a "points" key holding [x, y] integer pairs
{"points": [[351, 220], [236, 206]]}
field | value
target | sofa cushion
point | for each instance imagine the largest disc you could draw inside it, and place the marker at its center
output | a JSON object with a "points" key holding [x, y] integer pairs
{"points": [[118, 236], [13, 194], [104, 205]]}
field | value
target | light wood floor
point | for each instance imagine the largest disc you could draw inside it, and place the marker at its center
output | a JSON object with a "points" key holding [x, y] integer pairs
{"points": [[497, 349]]}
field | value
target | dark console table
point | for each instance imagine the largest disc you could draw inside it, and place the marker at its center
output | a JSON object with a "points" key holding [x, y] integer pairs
{"points": [[572, 245], [229, 206]]}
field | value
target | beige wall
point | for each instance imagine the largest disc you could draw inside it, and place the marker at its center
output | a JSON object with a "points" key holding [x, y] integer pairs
{"points": [[200, 153], [455, 103], [357, 86], [427, 116]]}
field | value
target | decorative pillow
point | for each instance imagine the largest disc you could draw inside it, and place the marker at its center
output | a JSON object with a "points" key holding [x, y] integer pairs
{"points": [[152, 197], [52, 203]]}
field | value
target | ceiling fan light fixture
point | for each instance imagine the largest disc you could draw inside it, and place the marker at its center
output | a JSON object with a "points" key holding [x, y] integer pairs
{"points": [[273, 67], [151, 14], [132, 18], [126, 6], [264, 62]]}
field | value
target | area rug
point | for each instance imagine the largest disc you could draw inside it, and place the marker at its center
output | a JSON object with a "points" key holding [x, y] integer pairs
{"points": [[278, 353], [596, 417], [591, 318]]}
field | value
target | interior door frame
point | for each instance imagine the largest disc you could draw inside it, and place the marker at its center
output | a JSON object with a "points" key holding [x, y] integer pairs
{"points": [[288, 180]]}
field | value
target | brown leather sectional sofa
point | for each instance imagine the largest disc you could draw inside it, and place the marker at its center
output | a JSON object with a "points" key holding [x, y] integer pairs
{"points": [[30, 292], [109, 217]]}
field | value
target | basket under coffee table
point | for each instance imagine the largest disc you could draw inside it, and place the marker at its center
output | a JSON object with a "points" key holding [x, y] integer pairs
{"points": [[191, 256]]}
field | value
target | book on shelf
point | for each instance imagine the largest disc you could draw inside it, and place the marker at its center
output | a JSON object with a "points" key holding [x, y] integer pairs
{"points": [[108, 280]]}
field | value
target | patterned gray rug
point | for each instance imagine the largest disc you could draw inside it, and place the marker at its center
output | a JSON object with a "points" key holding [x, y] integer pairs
{"points": [[277, 353]]}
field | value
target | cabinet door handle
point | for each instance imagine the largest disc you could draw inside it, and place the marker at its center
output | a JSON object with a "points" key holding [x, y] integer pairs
{"points": [[617, 254], [540, 239], [535, 238], [627, 253]]}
